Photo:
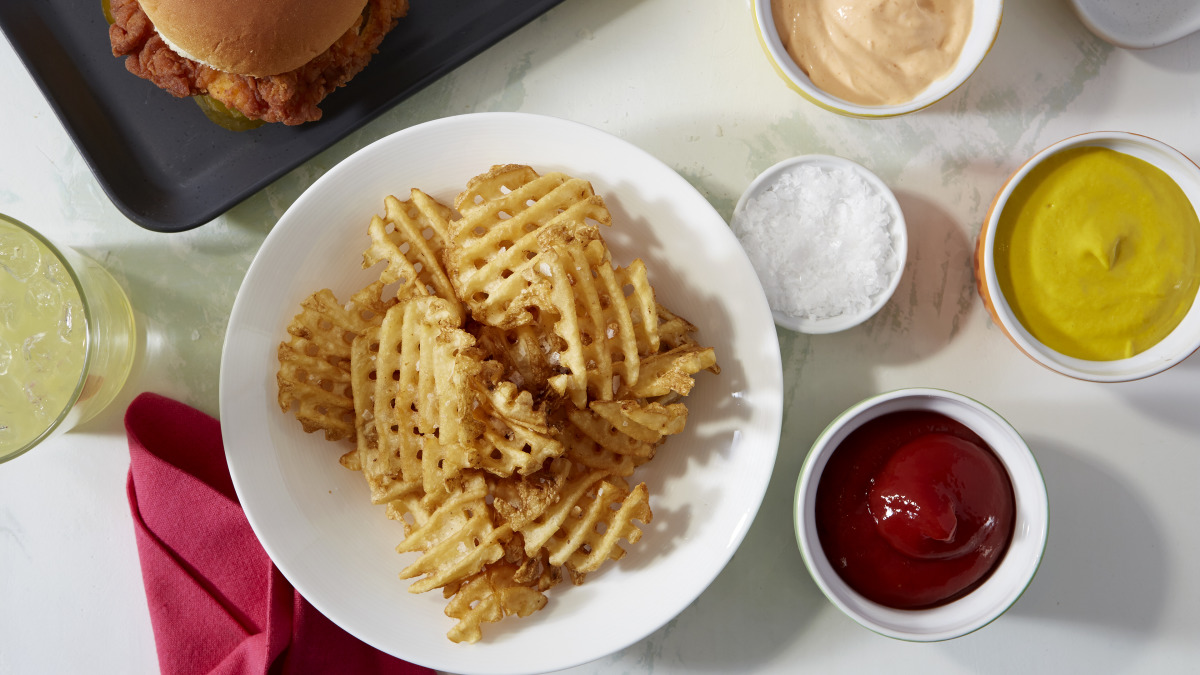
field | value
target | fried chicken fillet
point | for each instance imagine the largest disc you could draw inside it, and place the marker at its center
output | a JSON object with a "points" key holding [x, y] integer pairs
{"points": [[291, 98]]}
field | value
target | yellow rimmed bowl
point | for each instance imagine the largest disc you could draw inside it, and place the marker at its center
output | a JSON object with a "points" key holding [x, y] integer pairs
{"points": [[1175, 347], [985, 25]]}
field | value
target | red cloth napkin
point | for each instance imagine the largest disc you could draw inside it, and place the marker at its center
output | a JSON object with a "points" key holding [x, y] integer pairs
{"points": [[217, 603]]}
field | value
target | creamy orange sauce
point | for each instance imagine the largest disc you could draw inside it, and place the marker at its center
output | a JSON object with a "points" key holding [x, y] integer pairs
{"points": [[874, 52]]}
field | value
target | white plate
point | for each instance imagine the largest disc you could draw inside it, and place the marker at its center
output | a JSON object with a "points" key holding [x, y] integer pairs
{"points": [[314, 517]]}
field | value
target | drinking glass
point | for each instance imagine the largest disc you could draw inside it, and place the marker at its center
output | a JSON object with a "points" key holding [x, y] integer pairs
{"points": [[67, 338]]}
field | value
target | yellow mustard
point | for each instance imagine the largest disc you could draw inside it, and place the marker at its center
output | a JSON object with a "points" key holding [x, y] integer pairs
{"points": [[1098, 253]]}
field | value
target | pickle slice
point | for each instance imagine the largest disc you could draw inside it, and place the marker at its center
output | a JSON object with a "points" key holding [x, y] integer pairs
{"points": [[223, 116]]}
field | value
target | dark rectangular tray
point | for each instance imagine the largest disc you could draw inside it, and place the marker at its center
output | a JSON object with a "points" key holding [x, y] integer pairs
{"points": [[168, 168]]}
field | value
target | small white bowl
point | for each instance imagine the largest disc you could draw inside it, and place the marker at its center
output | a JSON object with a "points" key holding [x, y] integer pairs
{"points": [[1172, 349], [1011, 576], [1134, 26], [898, 231], [985, 25]]}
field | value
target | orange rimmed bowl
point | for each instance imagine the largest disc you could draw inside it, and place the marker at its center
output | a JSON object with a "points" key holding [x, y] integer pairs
{"points": [[1175, 347]]}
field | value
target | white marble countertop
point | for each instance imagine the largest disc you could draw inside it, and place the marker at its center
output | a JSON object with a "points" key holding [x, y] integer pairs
{"points": [[687, 81]]}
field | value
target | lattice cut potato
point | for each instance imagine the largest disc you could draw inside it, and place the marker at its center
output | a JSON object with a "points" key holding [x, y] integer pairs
{"points": [[591, 526], [314, 364], [456, 539], [509, 215], [411, 238], [490, 595], [424, 392], [517, 434], [595, 323], [502, 381]]}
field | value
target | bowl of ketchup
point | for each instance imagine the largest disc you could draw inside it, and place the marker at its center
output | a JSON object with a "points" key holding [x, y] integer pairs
{"points": [[921, 514]]}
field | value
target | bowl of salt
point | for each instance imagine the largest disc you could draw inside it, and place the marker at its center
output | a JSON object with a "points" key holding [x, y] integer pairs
{"points": [[827, 239]]}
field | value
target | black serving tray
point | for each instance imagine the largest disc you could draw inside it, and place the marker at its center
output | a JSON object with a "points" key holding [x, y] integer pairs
{"points": [[168, 168]]}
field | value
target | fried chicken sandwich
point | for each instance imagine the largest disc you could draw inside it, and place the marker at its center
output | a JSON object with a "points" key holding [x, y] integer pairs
{"points": [[270, 60]]}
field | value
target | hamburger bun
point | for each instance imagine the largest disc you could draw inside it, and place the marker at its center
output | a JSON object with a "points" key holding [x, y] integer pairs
{"points": [[258, 38]]}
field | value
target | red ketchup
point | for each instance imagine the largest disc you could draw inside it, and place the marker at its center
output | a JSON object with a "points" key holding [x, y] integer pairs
{"points": [[914, 510]]}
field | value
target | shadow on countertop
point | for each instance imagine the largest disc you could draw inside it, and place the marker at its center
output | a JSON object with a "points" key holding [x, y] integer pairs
{"points": [[1104, 561]]}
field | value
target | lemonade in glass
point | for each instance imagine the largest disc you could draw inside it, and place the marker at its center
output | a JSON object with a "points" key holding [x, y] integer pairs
{"points": [[67, 338]]}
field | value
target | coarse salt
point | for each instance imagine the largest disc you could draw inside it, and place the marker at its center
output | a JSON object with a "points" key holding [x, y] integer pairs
{"points": [[820, 240]]}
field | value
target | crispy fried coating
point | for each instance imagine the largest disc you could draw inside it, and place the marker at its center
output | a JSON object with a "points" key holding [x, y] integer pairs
{"points": [[291, 98]]}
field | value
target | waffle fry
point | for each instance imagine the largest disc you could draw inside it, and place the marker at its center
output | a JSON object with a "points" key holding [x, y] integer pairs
{"points": [[583, 529], [671, 371], [490, 596], [521, 500], [423, 392], [455, 540], [314, 365], [646, 421], [517, 437], [410, 238], [584, 451], [523, 352], [594, 322], [496, 254], [611, 437], [500, 400]]}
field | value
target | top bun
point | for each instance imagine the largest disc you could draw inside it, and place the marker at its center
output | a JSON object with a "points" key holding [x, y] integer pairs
{"points": [[256, 37]]}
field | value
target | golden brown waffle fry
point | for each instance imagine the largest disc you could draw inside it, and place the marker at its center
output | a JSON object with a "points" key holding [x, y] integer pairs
{"points": [[455, 540], [363, 352], [495, 257], [502, 439], [673, 330], [585, 452], [590, 527], [639, 295], [539, 530], [423, 392], [517, 436], [611, 437], [671, 371], [519, 500], [314, 364], [522, 351], [644, 421], [490, 596], [410, 238], [594, 321], [383, 470]]}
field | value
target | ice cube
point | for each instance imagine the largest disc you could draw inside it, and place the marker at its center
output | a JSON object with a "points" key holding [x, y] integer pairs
{"points": [[5, 357], [37, 403], [8, 315], [43, 294], [36, 352], [19, 254], [56, 275], [72, 312]]}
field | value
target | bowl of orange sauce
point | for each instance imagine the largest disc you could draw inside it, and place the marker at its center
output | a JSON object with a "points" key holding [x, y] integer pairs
{"points": [[876, 58], [921, 514], [1089, 258]]}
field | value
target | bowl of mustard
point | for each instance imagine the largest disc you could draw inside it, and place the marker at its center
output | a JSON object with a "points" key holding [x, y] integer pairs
{"points": [[1089, 258], [876, 58]]}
